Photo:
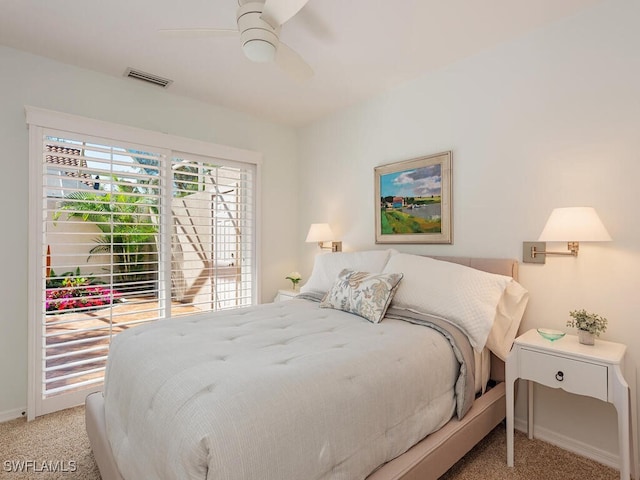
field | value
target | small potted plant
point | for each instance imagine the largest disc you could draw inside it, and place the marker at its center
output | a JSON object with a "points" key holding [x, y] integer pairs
{"points": [[589, 325], [295, 278]]}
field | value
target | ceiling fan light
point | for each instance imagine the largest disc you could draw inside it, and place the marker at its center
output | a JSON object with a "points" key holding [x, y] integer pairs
{"points": [[259, 50]]}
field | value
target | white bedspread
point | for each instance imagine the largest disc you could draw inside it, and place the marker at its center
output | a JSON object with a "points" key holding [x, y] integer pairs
{"points": [[285, 391]]}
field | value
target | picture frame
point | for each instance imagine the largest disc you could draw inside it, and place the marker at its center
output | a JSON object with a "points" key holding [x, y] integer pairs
{"points": [[413, 200]]}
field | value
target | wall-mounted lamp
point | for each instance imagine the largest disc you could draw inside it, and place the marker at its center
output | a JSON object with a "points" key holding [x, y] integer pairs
{"points": [[321, 233], [571, 225]]}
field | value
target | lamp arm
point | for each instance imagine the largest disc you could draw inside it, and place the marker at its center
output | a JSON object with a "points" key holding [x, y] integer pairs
{"points": [[335, 246], [573, 248]]}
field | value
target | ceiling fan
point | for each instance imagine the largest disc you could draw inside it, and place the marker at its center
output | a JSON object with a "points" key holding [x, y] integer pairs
{"points": [[259, 24]]}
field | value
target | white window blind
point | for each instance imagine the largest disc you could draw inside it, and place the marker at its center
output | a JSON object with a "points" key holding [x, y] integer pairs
{"points": [[100, 240], [212, 235], [129, 234]]}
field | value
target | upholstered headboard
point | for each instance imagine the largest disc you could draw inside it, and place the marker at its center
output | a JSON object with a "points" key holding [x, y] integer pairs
{"points": [[501, 266]]}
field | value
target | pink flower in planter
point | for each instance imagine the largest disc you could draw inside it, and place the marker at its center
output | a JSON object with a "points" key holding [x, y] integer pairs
{"points": [[79, 296]]}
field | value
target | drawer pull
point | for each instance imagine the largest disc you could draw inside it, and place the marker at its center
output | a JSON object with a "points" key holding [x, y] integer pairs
{"points": [[560, 376]]}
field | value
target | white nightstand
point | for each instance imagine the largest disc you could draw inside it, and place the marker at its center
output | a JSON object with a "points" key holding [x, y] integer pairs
{"points": [[591, 370], [285, 294]]}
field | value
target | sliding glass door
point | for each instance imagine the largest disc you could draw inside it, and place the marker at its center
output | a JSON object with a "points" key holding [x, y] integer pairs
{"points": [[125, 234]]}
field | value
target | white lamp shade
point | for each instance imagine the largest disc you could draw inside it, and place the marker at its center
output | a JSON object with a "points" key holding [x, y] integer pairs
{"points": [[319, 232], [574, 224]]}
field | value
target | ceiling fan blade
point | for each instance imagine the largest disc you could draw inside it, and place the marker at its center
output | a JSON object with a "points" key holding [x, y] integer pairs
{"points": [[277, 12], [197, 32], [292, 63]]}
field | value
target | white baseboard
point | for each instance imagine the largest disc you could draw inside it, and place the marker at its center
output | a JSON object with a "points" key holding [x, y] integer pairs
{"points": [[571, 444], [12, 414]]}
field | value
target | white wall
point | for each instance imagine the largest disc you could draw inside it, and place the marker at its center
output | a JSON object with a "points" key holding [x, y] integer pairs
{"points": [[550, 120], [30, 80]]}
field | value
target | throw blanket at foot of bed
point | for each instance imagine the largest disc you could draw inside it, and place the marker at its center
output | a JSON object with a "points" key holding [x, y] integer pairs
{"points": [[280, 391]]}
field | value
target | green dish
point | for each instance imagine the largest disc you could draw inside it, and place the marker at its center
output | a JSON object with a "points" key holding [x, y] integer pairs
{"points": [[551, 335]]}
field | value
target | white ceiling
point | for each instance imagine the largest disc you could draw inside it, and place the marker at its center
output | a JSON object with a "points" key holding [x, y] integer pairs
{"points": [[357, 48]]}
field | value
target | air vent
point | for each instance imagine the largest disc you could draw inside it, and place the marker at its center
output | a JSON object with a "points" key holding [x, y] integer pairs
{"points": [[147, 77]]}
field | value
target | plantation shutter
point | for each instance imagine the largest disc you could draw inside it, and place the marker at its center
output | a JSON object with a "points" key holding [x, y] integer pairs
{"points": [[129, 234], [212, 234], [102, 275]]}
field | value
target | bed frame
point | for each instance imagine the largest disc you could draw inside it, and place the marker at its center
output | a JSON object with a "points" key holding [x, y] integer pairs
{"points": [[428, 459]]}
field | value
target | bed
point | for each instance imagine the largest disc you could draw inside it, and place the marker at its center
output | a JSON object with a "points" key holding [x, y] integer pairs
{"points": [[310, 389]]}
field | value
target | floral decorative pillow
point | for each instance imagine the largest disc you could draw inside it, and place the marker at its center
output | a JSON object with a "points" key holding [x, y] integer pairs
{"points": [[361, 293]]}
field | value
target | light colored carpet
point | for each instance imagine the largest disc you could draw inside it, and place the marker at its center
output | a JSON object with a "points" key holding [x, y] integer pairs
{"points": [[534, 460], [61, 437], [56, 439]]}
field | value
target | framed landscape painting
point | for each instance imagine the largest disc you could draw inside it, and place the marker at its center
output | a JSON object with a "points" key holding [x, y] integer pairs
{"points": [[413, 200]]}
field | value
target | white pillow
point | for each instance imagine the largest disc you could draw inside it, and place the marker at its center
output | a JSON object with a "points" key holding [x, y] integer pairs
{"points": [[462, 295], [508, 317], [328, 266]]}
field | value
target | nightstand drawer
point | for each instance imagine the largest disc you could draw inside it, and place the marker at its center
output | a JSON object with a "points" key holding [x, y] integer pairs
{"points": [[574, 376]]}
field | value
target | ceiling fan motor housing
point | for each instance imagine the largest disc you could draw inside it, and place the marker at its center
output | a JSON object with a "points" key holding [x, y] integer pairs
{"points": [[259, 39]]}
